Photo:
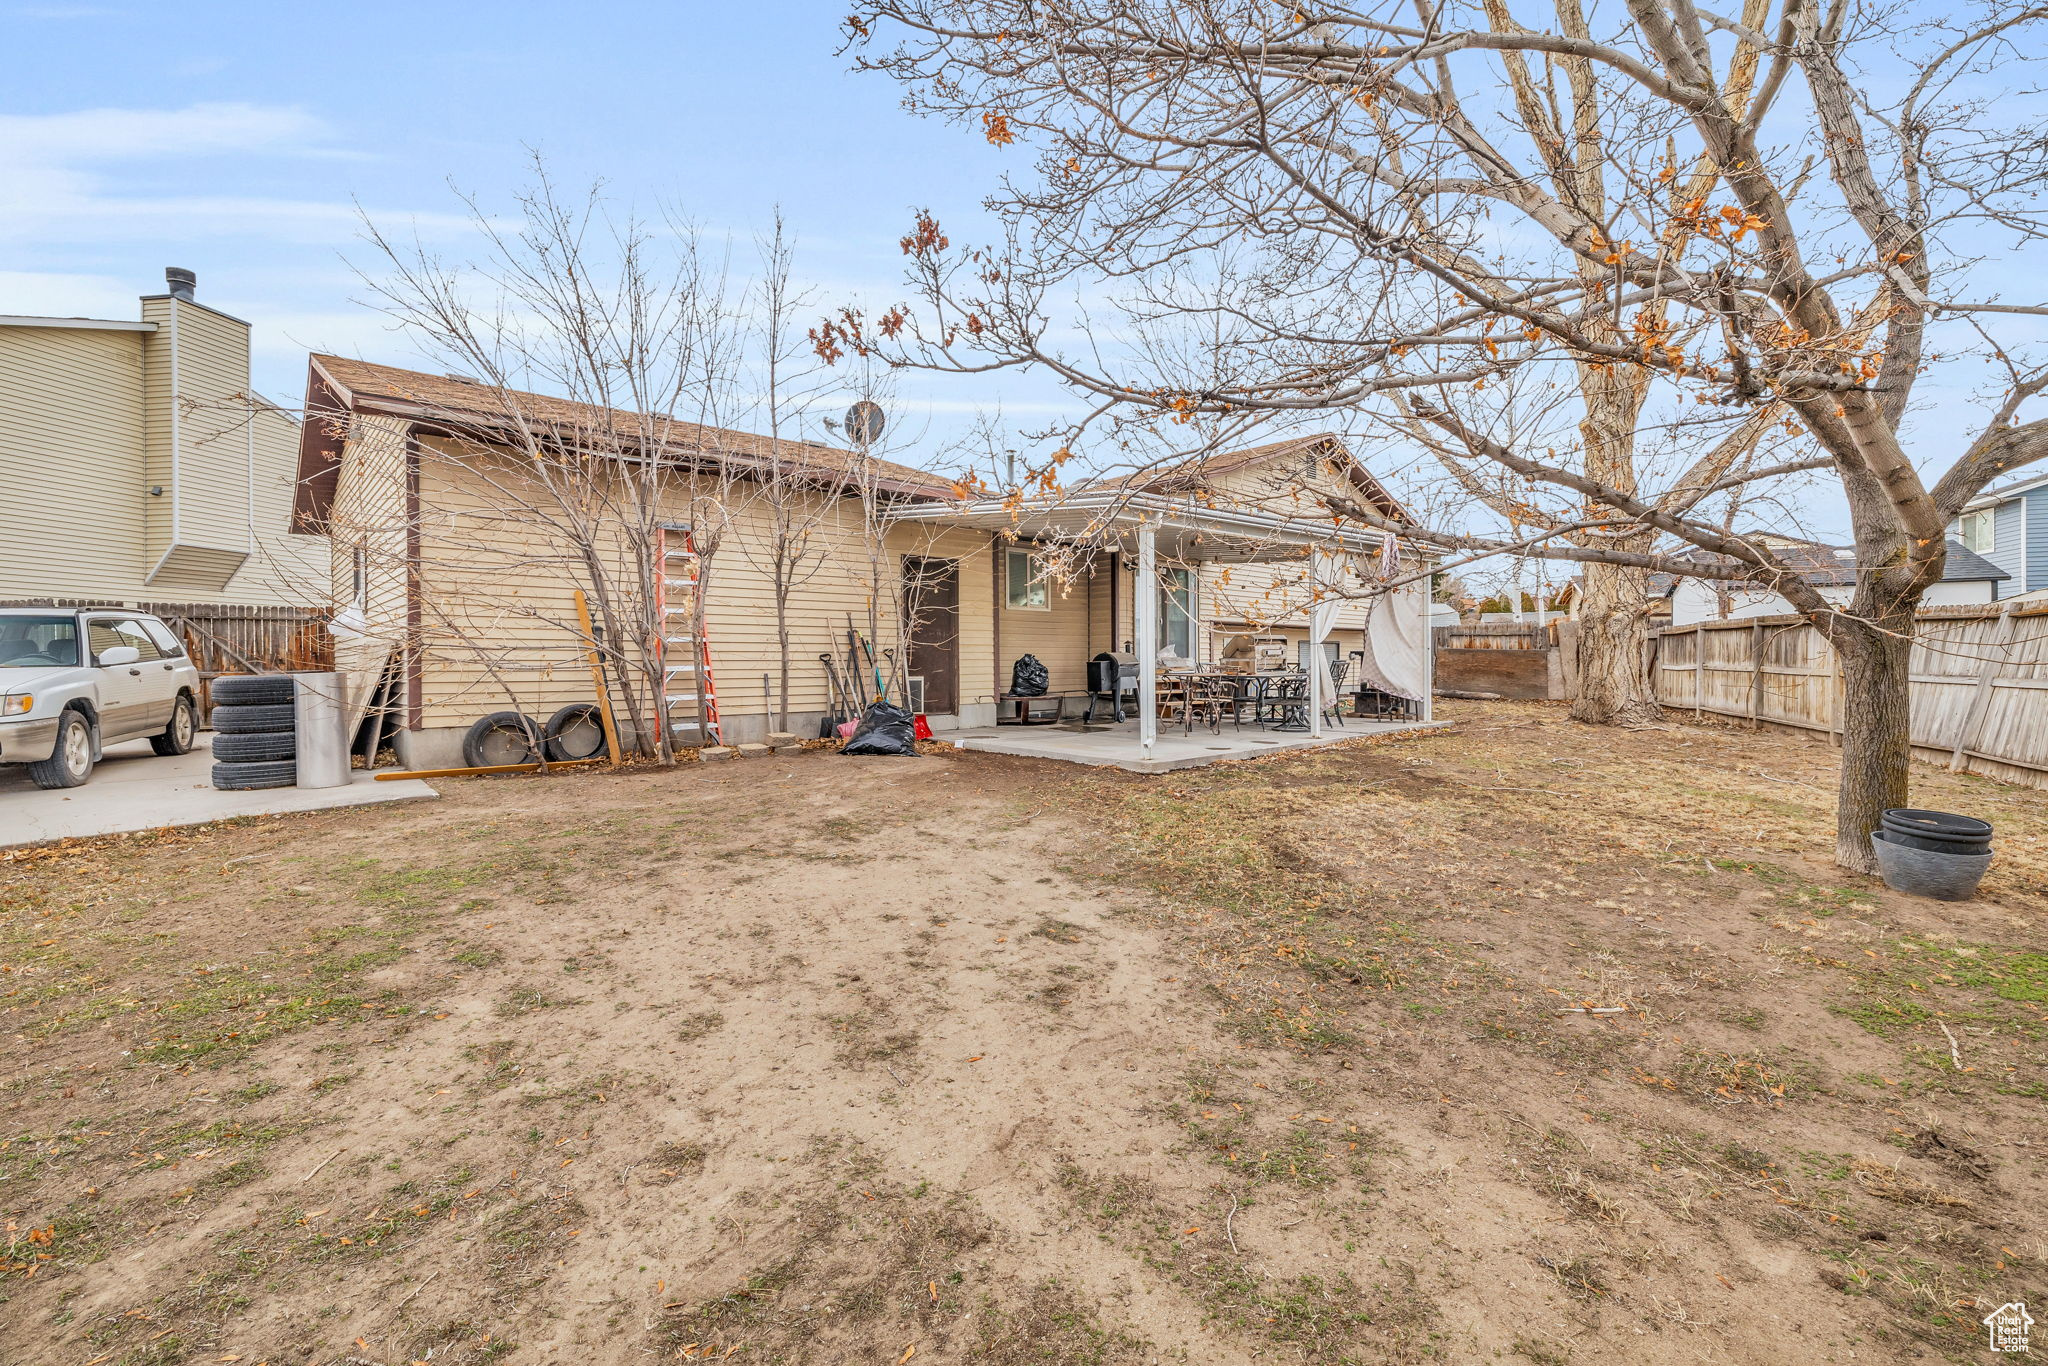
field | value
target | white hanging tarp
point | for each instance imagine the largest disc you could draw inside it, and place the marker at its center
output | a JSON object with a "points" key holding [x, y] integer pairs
{"points": [[1396, 639]]}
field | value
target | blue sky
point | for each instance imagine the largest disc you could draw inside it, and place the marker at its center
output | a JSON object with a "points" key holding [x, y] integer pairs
{"points": [[236, 139]]}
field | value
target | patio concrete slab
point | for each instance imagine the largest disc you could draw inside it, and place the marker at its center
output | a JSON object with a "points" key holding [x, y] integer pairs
{"points": [[1116, 746], [134, 789]]}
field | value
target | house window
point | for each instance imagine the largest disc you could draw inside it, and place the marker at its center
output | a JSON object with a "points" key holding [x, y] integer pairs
{"points": [[1330, 654], [1177, 612], [1977, 532], [1025, 580]]}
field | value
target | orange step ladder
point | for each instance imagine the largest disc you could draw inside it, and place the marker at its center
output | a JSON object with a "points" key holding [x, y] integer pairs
{"points": [[689, 696]]}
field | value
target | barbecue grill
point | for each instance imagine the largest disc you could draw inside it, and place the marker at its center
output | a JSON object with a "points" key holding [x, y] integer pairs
{"points": [[1110, 676]]}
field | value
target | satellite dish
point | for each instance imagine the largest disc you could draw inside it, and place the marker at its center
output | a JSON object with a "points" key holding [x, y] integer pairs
{"points": [[864, 423]]}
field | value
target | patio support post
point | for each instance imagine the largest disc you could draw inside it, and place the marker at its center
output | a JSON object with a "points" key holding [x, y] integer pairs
{"points": [[1145, 616], [1319, 616], [1428, 655]]}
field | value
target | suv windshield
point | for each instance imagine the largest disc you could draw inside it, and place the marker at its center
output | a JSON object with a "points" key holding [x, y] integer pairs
{"points": [[36, 642]]}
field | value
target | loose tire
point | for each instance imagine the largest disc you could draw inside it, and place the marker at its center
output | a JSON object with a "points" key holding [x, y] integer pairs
{"points": [[251, 749], [243, 777], [254, 690], [254, 720], [183, 730], [503, 737], [70, 763], [575, 732]]}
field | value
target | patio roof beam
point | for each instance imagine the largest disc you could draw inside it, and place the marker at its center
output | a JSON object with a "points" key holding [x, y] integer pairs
{"points": [[1106, 516]]}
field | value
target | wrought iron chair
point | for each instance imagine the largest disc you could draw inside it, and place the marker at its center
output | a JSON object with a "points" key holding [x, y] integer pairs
{"points": [[1333, 709]]}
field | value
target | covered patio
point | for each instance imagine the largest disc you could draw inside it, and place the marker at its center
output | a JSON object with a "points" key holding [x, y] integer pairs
{"points": [[1154, 529]]}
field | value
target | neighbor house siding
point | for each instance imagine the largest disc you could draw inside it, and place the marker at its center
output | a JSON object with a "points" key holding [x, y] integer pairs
{"points": [[2034, 537], [86, 415], [2008, 546], [71, 461]]}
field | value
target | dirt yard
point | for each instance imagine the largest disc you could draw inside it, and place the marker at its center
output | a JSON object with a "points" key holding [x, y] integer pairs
{"points": [[1521, 1042]]}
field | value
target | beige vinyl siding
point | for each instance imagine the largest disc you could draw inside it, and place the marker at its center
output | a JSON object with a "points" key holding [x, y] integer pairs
{"points": [[201, 434], [71, 437], [1058, 635], [369, 511], [497, 586], [1106, 620], [85, 413]]}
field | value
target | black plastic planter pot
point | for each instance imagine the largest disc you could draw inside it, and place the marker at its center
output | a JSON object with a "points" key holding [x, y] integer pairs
{"points": [[1937, 831], [1928, 872]]}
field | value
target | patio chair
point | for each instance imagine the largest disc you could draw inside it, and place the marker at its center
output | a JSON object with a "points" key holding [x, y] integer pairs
{"points": [[1333, 709], [1240, 692], [1286, 702], [1206, 700]]}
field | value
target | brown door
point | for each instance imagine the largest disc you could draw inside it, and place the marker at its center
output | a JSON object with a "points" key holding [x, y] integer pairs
{"points": [[931, 606]]}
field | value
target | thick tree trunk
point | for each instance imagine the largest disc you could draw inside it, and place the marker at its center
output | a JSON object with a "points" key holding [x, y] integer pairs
{"points": [[1614, 685], [1876, 740]]}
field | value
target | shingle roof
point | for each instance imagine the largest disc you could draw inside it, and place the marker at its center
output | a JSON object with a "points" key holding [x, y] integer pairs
{"points": [[1199, 470], [1965, 563], [1828, 566], [450, 400]]}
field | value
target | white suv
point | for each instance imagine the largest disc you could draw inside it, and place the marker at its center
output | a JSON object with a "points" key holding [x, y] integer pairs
{"points": [[74, 682]]}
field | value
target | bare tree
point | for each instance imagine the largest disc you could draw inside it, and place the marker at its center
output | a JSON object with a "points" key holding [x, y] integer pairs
{"points": [[796, 500], [579, 433], [1329, 207]]}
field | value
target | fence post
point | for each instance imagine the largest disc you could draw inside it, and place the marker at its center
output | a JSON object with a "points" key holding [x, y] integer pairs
{"points": [[1980, 699], [1699, 669], [1756, 675]]}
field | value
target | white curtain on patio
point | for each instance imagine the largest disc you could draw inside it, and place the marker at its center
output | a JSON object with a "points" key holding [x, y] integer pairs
{"points": [[1396, 637]]}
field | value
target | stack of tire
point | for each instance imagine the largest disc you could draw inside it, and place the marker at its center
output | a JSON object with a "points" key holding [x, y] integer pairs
{"points": [[255, 725]]}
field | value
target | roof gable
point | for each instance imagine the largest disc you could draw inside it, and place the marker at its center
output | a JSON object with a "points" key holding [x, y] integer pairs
{"points": [[1218, 471]]}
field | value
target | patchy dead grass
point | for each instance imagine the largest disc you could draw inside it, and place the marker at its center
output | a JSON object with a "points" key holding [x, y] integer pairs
{"points": [[1524, 1041]]}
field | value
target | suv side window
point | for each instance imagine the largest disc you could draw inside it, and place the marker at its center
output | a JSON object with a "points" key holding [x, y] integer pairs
{"points": [[166, 640], [108, 632]]}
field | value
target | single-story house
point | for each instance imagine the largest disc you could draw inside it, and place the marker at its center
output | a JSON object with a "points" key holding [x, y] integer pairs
{"points": [[458, 593], [1967, 578]]}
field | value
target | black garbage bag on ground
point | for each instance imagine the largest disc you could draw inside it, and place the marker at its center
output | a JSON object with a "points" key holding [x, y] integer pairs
{"points": [[883, 729], [1029, 678]]}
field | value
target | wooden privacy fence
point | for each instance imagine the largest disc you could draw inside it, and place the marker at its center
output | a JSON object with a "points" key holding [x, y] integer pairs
{"points": [[1979, 693], [225, 638], [1511, 659], [1504, 636]]}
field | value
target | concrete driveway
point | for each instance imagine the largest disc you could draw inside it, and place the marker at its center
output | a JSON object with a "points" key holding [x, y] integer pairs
{"points": [[133, 788]]}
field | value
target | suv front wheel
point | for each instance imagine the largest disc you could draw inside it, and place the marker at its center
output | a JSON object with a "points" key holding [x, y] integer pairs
{"points": [[70, 763], [184, 728]]}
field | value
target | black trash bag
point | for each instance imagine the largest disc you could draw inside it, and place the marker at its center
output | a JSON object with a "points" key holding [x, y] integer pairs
{"points": [[1029, 678], [883, 729]]}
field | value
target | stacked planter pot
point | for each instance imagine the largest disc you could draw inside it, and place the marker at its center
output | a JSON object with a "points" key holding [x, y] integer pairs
{"points": [[255, 723], [1932, 853]]}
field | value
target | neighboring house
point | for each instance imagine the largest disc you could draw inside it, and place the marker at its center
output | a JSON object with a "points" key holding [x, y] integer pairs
{"points": [[141, 469], [2009, 527], [410, 476], [1967, 578]]}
